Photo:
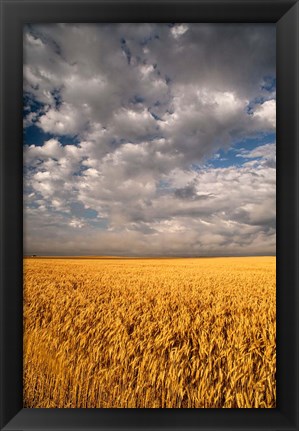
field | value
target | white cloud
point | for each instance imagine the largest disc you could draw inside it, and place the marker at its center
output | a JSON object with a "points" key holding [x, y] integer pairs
{"points": [[267, 151], [266, 112], [63, 121], [178, 30], [77, 224]]}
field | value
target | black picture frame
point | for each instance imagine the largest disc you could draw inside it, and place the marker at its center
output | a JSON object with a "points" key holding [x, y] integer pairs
{"points": [[16, 13]]}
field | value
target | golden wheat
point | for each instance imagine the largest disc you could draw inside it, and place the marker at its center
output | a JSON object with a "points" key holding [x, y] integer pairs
{"points": [[150, 333]]}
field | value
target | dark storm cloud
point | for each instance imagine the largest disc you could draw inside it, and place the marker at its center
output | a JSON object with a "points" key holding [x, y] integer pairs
{"points": [[189, 192]]}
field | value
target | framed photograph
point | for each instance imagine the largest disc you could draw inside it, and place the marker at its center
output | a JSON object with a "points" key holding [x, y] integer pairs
{"points": [[149, 186]]}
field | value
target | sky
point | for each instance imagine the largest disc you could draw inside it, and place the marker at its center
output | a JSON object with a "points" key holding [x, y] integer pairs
{"points": [[149, 139]]}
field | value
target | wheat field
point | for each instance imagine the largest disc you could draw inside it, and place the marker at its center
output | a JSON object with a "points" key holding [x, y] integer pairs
{"points": [[150, 333]]}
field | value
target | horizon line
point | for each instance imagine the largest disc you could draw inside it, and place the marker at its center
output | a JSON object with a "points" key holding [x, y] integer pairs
{"points": [[95, 256]]}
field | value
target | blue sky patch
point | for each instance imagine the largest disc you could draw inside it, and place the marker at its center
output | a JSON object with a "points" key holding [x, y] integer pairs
{"points": [[31, 105], [269, 83], [33, 135], [226, 158], [79, 210]]}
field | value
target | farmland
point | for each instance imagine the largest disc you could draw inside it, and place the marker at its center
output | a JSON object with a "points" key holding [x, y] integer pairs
{"points": [[150, 333]]}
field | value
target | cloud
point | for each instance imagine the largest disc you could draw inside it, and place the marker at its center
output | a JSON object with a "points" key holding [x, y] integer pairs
{"points": [[224, 210], [267, 151], [178, 30], [143, 108], [82, 75], [77, 224], [266, 112]]}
